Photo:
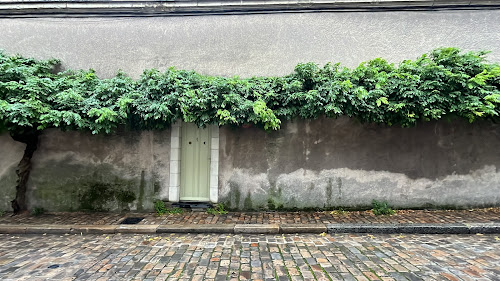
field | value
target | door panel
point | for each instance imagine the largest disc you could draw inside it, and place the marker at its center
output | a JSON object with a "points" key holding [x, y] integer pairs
{"points": [[195, 163]]}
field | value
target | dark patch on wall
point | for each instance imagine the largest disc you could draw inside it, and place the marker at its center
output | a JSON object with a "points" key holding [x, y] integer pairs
{"points": [[329, 193], [431, 150], [275, 201], [247, 144], [97, 195], [234, 196], [339, 186], [156, 186], [247, 204], [141, 192]]}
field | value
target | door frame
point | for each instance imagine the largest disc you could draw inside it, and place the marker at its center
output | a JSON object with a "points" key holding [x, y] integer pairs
{"points": [[175, 163]]}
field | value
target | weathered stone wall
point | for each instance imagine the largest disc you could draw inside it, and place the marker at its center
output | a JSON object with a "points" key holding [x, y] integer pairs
{"points": [[307, 164], [80, 171], [339, 162]]}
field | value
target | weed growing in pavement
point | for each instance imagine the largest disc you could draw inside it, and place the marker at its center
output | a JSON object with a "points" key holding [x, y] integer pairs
{"points": [[220, 209], [382, 208], [161, 209]]}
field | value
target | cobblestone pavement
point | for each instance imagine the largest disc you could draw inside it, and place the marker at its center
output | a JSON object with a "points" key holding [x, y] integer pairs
{"points": [[402, 216], [254, 257]]}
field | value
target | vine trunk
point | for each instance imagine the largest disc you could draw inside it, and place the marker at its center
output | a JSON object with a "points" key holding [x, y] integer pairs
{"points": [[30, 138]]}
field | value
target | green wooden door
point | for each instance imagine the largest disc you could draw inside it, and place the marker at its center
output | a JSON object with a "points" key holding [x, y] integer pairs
{"points": [[195, 163]]}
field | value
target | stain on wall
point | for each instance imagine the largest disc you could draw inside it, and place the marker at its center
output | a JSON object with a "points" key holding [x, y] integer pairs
{"points": [[329, 163], [79, 171]]}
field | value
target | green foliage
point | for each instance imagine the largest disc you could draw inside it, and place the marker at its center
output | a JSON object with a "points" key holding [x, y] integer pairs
{"points": [[37, 211], [220, 209], [445, 82], [381, 208], [161, 209], [2, 212]]}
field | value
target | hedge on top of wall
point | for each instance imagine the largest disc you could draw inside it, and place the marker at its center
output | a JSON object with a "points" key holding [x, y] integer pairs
{"points": [[444, 82]]}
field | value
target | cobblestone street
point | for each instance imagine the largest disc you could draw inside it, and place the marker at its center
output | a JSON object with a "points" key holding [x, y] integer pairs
{"points": [[254, 257]]}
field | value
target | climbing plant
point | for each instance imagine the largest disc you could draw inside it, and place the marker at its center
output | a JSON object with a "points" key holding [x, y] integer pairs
{"points": [[444, 83]]}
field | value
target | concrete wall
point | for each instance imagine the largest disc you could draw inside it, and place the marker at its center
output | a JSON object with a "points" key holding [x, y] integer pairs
{"points": [[331, 163], [322, 163], [76, 171], [247, 45]]}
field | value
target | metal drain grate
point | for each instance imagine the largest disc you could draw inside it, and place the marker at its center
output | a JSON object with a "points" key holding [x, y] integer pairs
{"points": [[131, 220]]}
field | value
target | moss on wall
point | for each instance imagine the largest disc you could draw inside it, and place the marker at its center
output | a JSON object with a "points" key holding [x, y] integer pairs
{"points": [[72, 187], [99, 195]]}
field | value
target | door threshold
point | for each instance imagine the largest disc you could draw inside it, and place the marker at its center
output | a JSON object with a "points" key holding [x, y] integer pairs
{"points": [[193, 205]]}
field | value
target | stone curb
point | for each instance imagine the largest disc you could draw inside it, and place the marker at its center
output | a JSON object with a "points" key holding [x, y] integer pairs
{"points": [[12, 229], [48, 229], [257, 229], [94, 229], [302, 228], [196, 228], [416, 228], [137, 228], [457, 228]]}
